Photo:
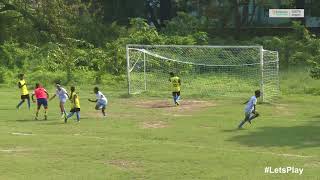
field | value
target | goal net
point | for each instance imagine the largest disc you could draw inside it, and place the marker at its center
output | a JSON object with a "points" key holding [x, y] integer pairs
{"points": [[204, 70]]}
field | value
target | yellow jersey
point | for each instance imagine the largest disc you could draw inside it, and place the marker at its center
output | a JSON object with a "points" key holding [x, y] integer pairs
{"points": [[75, 100], [175, 81], [24, 89]]}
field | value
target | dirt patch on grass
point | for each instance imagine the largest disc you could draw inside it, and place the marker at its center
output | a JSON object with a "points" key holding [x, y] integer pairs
{"points": [[284, 110], [154, 125], [187, 105], [123, 164]]}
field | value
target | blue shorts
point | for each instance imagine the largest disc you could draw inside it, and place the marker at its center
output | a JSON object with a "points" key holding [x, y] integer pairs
{"points": [[101, 105], [43, 102]]}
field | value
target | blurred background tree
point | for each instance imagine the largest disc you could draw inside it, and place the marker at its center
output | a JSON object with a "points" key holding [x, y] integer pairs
{"points": [[90, 35]]}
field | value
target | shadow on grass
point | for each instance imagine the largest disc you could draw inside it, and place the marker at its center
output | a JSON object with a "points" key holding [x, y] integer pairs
{"points": [[27, 120], [305, 136], [8, 109], [234, 130], [54, 123], [33, 120], [125, 96], [316, 117]]}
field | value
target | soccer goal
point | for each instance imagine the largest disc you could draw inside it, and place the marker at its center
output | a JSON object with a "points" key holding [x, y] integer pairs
{"points": [[204, 70]]}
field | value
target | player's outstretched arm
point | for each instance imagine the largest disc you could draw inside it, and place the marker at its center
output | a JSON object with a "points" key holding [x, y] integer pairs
{"points": [[91, 100], [52, 97], [74, 98], [21, 85], [47, 94], [246, 102], [32, 97]]}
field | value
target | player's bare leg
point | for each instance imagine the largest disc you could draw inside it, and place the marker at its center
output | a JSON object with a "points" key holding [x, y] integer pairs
{"points": [[46, 113], [103, 111], [37, 113], [62, 110]]}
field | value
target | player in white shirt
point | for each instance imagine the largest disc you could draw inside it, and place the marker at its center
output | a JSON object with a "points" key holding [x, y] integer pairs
{"points": [[101, 101], [63, 97], [250, 109]]}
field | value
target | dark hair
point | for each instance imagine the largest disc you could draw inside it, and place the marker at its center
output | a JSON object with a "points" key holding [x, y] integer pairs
{"points": [[73, 88], [96, 89], [171, 74], [257, 92], [20, 75], [38, 85]]}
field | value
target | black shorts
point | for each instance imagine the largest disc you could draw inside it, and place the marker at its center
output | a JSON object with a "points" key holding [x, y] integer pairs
{"points": [[25, 97], [75, 110], [176, 93]]}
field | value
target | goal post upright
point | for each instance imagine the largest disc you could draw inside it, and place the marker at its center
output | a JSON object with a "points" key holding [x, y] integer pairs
{"points": [[144, 71], [278, 70], [128, 68], [262, 74]]}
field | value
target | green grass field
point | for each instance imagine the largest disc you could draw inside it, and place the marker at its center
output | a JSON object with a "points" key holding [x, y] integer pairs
{"points": [[142, 138]]}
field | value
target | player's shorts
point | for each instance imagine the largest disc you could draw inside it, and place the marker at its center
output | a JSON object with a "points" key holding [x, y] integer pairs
{"points": [[176, 93], [42, 101], [63, 100], [249, 114], [75, 110], [27, 96], [101, 105]]}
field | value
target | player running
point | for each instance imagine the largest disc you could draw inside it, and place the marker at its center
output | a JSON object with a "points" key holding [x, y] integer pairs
{"points": [[63, 97], [42, 100], [176, 83], [75, 105], [250, 110], [24, 91], [101, 101]]}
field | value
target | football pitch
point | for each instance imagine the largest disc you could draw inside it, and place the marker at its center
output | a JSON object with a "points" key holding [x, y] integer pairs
{"points": [[148, 138]]}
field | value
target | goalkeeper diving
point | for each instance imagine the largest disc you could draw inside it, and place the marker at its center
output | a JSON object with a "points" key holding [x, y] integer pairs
{"points": [[250, 109], [176, 84]]}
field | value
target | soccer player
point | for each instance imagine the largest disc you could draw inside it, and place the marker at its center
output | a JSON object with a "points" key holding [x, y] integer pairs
{"points": [[101, 101], [24, 91], [176, 83], [250, 109], [74, 98], [63, 97], [42, 100]]}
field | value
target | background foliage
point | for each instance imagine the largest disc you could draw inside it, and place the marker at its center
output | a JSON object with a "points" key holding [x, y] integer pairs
{"points": [[83, 41]]}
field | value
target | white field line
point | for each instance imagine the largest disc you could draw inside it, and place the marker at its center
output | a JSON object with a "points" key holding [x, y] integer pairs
{"points": [[12, 150], [22, 134]]}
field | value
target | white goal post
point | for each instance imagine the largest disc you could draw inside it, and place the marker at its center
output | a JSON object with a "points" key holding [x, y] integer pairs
{"points": [[204, 70]]}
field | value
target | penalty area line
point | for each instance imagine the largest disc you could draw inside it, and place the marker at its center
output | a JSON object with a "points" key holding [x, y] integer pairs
{"points": [[22, 134]]}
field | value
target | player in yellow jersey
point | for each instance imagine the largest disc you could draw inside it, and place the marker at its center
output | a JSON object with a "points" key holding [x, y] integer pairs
{"points": [[24, 91], [75, 105], [176, 84]]}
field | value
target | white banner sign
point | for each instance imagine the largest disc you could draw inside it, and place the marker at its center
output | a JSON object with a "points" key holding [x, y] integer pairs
{"points": [[286, 13]]}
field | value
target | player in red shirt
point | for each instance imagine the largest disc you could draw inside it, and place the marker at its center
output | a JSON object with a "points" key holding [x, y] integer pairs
{"points": [[42, 100]]}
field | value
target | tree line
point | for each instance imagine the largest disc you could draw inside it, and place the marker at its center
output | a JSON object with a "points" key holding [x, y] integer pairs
{"points": [[66, 38]]}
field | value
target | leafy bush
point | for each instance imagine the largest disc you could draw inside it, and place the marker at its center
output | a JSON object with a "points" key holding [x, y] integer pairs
{"points": [[184, 24]]}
